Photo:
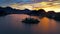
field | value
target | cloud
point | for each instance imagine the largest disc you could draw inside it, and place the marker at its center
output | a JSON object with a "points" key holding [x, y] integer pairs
{"points": [[35, 6], [8, 2]]}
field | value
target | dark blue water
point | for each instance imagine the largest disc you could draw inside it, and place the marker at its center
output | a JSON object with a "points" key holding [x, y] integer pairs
{"points": [[11, 24]]}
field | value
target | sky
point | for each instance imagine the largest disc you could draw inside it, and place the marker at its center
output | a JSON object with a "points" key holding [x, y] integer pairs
{"points": [[32, 4], [8, 2]]}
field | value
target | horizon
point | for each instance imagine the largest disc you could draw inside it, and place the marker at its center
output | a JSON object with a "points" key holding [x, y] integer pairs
{"points": [[29, 16], [48, 5]]}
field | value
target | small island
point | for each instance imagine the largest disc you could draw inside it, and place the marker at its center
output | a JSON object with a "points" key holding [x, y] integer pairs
{"points": [[30, 21]]}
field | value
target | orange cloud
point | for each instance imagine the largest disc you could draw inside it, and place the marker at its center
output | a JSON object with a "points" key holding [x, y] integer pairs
{"points": [[36, 6]]}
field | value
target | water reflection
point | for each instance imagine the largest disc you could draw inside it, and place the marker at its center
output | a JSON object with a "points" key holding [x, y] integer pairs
{"points": [[12, 24]]}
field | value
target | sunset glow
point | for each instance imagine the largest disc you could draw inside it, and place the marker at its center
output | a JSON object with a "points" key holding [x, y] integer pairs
{"points": [[48, 6]]}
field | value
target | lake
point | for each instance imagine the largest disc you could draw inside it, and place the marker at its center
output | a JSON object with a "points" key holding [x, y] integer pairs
{"points": [[11, 24]]}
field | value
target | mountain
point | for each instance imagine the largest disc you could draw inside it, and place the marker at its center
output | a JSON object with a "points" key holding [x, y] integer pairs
{"points": [[53, 6]]}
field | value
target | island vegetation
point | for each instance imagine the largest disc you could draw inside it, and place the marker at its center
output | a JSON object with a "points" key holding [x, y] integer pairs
{"points": [[31, 21]]}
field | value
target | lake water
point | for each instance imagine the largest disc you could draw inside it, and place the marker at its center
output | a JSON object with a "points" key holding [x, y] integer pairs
{"points": [[11, 24]]}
